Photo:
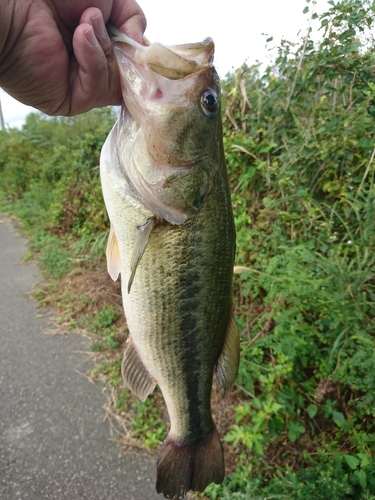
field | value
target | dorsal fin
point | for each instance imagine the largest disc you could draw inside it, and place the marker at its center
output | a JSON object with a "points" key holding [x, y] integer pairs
{"points": [[113, 255]]}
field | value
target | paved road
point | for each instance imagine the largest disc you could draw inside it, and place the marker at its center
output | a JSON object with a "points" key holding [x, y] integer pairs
{"points": [[53, 441]]}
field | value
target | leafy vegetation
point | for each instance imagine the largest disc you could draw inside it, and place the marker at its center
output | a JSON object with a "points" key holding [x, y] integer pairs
{"points": [[300, 148]]}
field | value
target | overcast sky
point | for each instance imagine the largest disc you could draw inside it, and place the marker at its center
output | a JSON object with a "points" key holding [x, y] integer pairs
{"points": [[239, 31]]}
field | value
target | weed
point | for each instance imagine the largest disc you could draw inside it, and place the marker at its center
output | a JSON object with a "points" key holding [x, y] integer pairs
{"points": [[28, 256], [112, 370], [105, 318], [148, 423]]}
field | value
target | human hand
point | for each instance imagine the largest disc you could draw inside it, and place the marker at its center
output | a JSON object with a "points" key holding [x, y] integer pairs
{"points": [[56, 55]]}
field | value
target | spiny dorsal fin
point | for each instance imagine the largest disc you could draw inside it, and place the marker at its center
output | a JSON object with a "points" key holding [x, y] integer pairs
{"points": [[113, 255], [227, 365], [141, 240], [134, 373]]}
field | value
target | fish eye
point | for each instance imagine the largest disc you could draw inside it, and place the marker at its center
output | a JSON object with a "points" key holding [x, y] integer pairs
{"points": [[210, 103]]}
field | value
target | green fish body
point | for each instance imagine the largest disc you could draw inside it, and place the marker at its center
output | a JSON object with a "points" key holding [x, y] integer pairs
{"points": [[172, 239]]}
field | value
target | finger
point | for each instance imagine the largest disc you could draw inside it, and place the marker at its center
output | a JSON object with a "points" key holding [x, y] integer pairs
{"points": [[94, 17], [134, 27], [96, 81], [129, 18]]}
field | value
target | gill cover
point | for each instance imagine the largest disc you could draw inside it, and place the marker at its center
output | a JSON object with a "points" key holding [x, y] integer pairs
{"points": [[161, 134]]}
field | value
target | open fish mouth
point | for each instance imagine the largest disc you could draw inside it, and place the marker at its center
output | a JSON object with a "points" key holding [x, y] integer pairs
{"points": [[172, 62]]}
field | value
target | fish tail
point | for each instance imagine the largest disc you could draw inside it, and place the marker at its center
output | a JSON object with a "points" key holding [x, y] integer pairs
{"points": [[182, 467]]}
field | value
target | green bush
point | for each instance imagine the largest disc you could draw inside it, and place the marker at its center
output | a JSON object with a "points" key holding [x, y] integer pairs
{"points": [[300, 149], [50, 173]]}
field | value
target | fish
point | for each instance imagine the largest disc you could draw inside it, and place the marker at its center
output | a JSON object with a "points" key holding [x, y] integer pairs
{"points": [[172, 240]]}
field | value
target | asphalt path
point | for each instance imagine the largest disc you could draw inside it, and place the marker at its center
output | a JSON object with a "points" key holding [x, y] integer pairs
{"points": [[54, 443]]}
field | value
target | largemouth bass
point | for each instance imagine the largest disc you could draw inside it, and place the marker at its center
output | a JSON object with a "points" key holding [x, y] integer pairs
{"points": [[172, 239]]}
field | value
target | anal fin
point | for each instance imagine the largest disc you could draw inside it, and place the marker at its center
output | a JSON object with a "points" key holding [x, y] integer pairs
{"points": [[113, 255], [135, 374], [141, 240], [226, 368]]}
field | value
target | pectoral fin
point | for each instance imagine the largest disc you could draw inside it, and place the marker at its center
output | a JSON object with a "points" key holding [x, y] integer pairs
{"points": [[134, 373], [227, 365], [113, 255], [141, 240]]}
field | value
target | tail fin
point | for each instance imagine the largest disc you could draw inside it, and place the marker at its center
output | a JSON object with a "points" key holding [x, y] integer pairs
{"points": [[183, 467]]}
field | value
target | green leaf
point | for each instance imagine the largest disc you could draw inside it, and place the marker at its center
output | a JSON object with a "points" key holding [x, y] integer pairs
{"points": [[312, 410], [276, 407], [361, 474], [346, 34], [338, 418], [256, 403], [365, 460], [352, 461], [305, 10], [257, 446], [353, 47], [295, 430]]}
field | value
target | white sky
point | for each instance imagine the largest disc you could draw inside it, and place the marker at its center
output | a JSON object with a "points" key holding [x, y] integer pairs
{"points": [[238, 30]]}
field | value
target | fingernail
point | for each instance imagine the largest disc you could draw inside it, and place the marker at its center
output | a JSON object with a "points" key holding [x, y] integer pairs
{"points": [[91, 38], [99, 26]]}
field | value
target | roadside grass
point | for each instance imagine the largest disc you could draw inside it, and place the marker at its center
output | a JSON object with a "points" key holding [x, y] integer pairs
{"points": [[86, 300]]}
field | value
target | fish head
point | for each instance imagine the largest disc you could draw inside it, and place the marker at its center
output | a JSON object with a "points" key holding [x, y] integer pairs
{"points": [[170, 139]]}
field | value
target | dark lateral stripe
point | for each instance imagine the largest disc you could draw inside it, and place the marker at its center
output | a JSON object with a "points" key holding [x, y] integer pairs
{"points": [[194, 364]]}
